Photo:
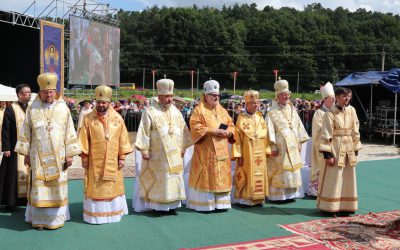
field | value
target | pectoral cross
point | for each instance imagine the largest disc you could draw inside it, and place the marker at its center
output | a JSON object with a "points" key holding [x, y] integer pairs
{"points": [[49, 127], [239, 176], [258, 161]]}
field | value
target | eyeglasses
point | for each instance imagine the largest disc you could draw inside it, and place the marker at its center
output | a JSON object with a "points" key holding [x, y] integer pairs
{"points": [[48, 92]]}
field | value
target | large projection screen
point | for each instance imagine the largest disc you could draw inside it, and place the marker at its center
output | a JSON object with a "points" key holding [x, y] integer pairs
{"points": [[93, 53]]}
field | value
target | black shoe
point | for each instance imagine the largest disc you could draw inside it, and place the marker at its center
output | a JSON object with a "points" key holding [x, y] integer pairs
{"points": [[330, 214], [242, 205], [346, 214], [310, 197], [283, 201], [172, 212], [204, 212], [221, 210], [156, 213]]}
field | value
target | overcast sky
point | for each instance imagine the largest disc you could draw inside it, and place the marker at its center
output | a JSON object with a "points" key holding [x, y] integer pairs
{"points": [[385, 6]]}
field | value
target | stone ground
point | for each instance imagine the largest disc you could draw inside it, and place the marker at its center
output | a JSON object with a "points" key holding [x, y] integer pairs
{"points": [[370, 151]]}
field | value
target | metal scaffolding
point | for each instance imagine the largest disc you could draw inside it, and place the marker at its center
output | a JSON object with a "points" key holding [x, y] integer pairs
{"points": [[58, 10], [19, 19]]}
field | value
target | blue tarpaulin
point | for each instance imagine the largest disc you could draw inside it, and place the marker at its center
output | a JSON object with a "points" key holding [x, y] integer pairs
{"points": [[392, 80], [388, 79]]}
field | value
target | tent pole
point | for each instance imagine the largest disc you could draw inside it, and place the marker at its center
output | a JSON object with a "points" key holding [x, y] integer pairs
{"points": [[370, 113], [395, 119], [359, 100]]}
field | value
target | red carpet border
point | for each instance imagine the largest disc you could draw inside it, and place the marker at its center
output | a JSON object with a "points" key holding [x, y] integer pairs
{"points": [[292, 242]]}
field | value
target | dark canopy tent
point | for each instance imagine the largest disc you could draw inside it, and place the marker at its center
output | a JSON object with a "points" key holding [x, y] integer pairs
{"points": [[371, 89], [392, 82]]}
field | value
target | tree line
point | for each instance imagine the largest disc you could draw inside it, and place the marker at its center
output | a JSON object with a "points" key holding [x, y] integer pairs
{"points": [[313, 46]]}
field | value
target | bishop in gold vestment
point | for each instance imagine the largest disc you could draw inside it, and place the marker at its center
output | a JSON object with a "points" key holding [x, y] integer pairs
{"points": [[162, 139], [289, 133], [48, 141], [340, 143], [210, 180], [317, 159], [105, 143], [251, 148]]}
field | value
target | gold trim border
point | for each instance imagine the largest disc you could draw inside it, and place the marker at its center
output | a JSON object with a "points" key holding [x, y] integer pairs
{"points": [[46, 226], [49, 204], [211, 203], [103, 214], [338, 199]]}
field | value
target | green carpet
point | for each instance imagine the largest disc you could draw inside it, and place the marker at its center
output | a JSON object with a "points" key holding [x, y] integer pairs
{"points": [[377, 188]]}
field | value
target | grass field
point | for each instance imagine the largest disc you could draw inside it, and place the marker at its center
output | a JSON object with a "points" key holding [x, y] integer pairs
{"points": [[377, 184]]}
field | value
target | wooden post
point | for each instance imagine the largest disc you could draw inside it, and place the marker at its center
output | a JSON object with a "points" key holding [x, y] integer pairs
{"points": [[192, 72], [234, 82], [153, 71], [276, 74], [144, 76]]}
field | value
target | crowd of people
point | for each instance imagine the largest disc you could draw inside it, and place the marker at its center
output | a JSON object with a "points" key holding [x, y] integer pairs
{"points": [[131, 109], [39, 142]]}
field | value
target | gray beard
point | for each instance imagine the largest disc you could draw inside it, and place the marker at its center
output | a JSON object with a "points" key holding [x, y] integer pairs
{"points": [[212, 104], [167, 106]]}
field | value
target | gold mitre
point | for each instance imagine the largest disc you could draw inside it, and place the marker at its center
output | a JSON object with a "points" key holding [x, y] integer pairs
{"points": [[251, 96], [281, 86], [47, 81], [327, 90], [103, 93], [165, 87]]}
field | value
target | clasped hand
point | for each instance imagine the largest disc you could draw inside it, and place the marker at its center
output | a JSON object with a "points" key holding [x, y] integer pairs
{"points": [[221, 133]]}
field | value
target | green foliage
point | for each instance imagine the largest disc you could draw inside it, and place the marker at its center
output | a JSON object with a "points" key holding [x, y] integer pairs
{"points": [[318, 44]]}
